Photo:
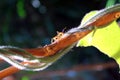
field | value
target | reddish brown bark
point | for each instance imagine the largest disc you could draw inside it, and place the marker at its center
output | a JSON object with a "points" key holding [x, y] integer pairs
{"points": [[8, 71], [65, 41]]}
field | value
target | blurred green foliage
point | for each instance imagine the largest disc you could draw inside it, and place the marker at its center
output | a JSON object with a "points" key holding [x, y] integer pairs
{"points": [[20, 8], [32, 23], [25, 78]]}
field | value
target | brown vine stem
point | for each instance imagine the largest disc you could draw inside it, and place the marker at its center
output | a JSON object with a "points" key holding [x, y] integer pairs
{"points": [[64, 42], [12, 69], [8, 71], [71, 38]]}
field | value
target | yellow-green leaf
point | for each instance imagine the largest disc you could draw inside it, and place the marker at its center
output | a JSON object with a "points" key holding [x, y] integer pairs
{"points": [[106, 39]]}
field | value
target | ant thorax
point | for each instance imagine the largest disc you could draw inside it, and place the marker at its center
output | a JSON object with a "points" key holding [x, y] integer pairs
{"points": [[57, 37]]}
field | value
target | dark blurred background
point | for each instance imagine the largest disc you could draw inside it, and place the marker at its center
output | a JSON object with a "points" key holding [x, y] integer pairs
{"points": [[32, 23]]}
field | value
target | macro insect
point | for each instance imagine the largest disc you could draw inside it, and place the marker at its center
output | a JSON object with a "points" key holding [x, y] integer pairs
{"points": [[58, 36]]}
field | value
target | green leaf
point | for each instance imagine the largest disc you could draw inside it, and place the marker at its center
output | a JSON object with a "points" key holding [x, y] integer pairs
{"points": [[106, 39]]}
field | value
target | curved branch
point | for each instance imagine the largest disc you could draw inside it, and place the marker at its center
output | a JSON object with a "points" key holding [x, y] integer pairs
{"points": [[104, 17]]}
